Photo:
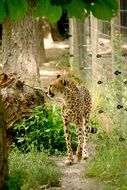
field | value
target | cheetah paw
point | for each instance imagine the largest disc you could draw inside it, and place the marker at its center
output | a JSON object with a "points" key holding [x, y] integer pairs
{"points": [[69, 162], [85, 156]]}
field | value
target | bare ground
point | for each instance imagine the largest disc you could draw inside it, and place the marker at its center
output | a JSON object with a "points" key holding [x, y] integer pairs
{"points": [[72, 178], [49, 70]]}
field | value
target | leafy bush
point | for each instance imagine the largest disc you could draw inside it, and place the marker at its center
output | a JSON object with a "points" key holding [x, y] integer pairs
{"points": [[31, 171], [44, 129]]}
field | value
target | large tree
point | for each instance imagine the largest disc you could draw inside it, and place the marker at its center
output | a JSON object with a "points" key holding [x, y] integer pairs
{"points": [[22, 41]]}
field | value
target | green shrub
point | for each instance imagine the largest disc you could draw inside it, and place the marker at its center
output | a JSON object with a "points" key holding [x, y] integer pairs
{"points": [[31, 171], [43, 129]]}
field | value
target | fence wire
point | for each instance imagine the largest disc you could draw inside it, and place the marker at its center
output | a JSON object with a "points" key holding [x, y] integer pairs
{"points": [[106, 46]]}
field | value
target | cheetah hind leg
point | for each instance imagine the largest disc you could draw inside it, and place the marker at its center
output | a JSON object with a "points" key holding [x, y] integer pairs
{"points": [[80, 142], [85, 153]]}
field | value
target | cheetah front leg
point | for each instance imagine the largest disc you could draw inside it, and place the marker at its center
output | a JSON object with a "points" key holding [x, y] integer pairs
{"points": [[68, 144]]}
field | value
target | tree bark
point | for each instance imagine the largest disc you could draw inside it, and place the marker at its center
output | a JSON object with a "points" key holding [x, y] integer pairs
{"points": [[3, 149], [23, 48]]}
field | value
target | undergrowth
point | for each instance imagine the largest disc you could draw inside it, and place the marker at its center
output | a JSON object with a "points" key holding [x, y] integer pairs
{"points": [[43, 130], [109, 164], [32, 171]]}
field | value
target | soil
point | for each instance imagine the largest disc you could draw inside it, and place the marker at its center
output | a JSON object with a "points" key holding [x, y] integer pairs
{"points": [[72, 178], [49, 70]]}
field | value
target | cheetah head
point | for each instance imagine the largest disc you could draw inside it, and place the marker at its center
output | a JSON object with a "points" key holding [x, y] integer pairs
{"points": [[57, 86]]}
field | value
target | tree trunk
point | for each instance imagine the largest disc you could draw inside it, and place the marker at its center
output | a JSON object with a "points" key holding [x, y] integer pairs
{"points": [[18, 99], [22, 48], [3, 150]]}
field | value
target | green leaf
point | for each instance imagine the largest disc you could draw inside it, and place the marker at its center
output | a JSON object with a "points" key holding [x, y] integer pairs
{"points": [[2, 11], [76, 9], [55, 13], [52, 12], [40, 9], [16, 9], [104, 10], [47, 130], [20, 139], [112, 4]]}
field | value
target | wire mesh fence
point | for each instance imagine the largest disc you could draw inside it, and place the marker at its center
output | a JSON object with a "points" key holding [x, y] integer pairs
{"points": [[100, 50]]}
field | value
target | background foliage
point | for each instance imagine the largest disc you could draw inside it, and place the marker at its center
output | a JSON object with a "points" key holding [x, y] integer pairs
{"points": [[52, 9]]}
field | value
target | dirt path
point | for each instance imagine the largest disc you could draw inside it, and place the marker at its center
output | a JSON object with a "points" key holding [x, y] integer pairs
{"points": [[72, 178], [72, 175], [54, 53]]}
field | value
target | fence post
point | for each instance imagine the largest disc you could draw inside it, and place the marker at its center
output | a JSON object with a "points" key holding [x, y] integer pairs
{"points": [[94, 40], [78, 47], [73, 51]]}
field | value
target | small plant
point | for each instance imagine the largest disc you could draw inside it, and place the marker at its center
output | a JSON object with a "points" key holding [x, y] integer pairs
{"points": [[31, 171]]}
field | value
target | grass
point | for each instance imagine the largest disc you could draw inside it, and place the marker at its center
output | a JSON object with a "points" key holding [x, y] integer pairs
{"points": [[63, 63], [32, 170], [109, 165]]}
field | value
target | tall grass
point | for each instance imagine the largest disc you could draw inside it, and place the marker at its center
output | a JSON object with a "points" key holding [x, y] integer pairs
{"points": [[109, 164], [32, 170]]}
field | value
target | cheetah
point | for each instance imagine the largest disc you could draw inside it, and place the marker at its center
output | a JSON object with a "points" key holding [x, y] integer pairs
{"points": [[76, 108]]}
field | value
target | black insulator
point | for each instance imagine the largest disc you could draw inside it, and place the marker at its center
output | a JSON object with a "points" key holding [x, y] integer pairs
{"points": [[69, 35], [119, 106], [98, 55], [125, 82], [117, 72], [124, 55], [122, 139], [71, 55], [102, 44], [81, 68], [100, 111], [99, 82]]}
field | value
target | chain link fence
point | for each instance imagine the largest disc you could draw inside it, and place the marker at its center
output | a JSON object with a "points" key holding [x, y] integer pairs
{"points": [[98, 50]]}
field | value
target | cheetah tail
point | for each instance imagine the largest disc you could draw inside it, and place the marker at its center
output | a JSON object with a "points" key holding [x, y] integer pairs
{"points": [[93, 130]]}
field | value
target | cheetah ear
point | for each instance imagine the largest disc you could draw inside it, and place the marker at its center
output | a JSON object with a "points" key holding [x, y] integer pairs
{"points": [[64, 82], [58, 76]]}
